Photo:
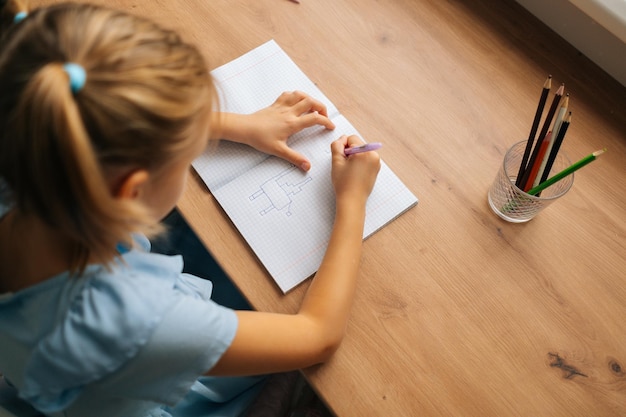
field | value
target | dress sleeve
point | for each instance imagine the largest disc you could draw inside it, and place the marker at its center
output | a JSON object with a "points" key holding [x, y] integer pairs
{"points": [[189, 340], [142, 324]]}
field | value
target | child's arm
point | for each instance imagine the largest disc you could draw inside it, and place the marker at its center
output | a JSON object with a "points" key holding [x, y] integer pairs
{"points": [[267, 342], [268, 129]]}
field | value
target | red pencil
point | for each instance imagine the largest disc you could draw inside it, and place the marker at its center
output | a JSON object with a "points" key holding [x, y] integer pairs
{"points": [[535, 168]]}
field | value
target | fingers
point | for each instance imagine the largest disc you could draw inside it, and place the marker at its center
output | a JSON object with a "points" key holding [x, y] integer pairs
{"points": [[308, 104], [339, 146], [354, 140], [290, 98], [294, 157], [313, 119], [311, 111], [353, 177], [303, 100]]}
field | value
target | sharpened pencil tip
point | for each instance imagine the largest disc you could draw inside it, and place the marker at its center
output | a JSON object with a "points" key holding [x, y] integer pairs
{"points": [[600, 152], [561, 90], [548, 84]]}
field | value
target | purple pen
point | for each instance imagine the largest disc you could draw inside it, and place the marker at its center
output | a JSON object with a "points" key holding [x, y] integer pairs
{"points": [[363, 148]]}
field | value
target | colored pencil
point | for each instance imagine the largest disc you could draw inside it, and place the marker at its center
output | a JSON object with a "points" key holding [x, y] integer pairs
{"points": [[534, 170], [555, 147], [555, 132], [567, 171], [533, 130], [544, 131]]}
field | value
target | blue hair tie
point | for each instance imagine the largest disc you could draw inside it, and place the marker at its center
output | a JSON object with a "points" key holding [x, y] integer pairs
{"points": [[122, 248], [19, 16], [77, 75]]}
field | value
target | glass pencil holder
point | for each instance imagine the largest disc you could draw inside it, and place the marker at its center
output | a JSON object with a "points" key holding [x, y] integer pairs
{"points": [[514, 205]]}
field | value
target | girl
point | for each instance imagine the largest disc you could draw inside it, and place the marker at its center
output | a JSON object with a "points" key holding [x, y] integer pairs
{"points": [[101, 114]]}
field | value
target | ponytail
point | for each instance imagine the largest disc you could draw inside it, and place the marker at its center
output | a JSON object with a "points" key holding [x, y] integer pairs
{"points": [[58, 165], [145, 91]]}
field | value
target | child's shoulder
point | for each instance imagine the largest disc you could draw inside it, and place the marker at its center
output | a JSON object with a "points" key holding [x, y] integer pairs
{"points": [[80, 329], [136, 285]]}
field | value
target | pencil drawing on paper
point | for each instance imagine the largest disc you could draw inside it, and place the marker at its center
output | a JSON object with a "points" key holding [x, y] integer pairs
{"points": [[280, 189]]}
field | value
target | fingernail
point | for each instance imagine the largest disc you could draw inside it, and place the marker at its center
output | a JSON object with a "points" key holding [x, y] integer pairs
{"points": [[305, 166]]}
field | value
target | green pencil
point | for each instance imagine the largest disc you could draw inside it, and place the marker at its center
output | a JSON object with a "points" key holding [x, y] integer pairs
{"points": [[566, 172]]}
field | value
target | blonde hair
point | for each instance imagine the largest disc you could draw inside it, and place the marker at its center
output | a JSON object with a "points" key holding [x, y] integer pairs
{"points": [[146, 92]]}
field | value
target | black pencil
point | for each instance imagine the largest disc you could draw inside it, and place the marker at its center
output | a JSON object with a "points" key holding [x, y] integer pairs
{"points": [[542, 134], [533, 129], [555, 147]]}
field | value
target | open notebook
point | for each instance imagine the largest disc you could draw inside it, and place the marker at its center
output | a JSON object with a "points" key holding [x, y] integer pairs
{"points": [[285, 214]]}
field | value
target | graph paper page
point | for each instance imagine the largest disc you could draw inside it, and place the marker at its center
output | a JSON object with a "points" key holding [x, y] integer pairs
{"points": [[283, 213]]}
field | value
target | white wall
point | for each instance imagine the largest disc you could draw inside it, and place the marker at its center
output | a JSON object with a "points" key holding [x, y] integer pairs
{"points": [[597, 28]]}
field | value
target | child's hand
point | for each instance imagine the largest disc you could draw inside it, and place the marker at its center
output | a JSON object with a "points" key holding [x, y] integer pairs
{"points": [[268, 129], [353, 176]]}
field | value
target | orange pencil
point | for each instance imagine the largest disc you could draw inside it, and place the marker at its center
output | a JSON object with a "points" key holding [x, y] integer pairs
{"points": [[544, 130], [535, 168]]}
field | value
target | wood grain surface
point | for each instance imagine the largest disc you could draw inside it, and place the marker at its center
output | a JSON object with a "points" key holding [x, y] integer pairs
{"points": [[458, 312]]}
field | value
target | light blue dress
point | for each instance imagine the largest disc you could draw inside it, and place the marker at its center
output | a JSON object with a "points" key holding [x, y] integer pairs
{"points": [[130, 341]]}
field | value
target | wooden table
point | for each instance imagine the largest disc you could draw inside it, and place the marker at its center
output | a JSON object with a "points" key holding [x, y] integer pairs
{"points": [[458, 313]]}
